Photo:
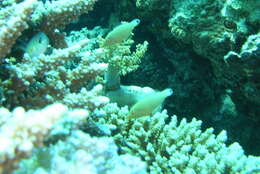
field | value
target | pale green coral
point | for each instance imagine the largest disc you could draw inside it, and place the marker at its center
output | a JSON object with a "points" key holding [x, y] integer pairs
{"points": [[122, 61], [122, 57]]}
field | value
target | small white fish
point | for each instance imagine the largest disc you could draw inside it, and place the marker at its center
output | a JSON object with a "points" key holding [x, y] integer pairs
{"points": [[149, 104], [120, 33], [37, 45]]}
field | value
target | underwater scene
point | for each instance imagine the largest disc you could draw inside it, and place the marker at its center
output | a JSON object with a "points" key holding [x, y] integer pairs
{"points": [[129, 86]]}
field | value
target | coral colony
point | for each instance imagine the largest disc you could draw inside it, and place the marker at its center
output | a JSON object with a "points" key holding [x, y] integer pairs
{"points": [[72, 101]]}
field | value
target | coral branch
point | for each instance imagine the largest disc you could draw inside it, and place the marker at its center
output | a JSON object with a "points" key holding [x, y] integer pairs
{"points": [[52, 17], [13, 20], [23, 131]]}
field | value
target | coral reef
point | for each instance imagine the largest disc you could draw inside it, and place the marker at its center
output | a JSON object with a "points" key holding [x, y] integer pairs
{"points": [[176, 147], [13, 24], [190, 43], [48, 74], [212, 29], [244, 65], [64, 108], [82, 154], [66, 71], [22, 131], [51, 17]]}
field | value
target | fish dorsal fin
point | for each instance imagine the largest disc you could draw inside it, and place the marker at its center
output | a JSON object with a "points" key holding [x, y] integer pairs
{"points": [[123, 22]]}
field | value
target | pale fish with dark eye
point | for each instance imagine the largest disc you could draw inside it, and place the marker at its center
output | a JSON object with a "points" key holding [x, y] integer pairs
{"points": [[37, 45], [120, 33], [149, 104]]}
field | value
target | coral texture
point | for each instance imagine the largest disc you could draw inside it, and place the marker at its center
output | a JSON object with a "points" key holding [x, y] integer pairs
{"points": [[56, 113], [13, 24], [245, 65], [57, 80], [211, 28], [67, 75], [51, 17], [82, 154], [22, 131], [177, 147]]}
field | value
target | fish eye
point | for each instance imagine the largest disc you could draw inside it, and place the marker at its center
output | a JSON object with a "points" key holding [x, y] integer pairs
{"points": [[40, 40], [137, 21], [230, 24]]}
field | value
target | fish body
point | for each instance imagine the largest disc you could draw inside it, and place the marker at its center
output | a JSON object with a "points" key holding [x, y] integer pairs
{"points": [[149, 104], [128, 95], [37, 45], [120, 33]]}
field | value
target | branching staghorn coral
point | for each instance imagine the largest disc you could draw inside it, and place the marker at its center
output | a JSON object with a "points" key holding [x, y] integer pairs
{"points": [[175, 147], [90, 100], [165, 147], [13, 22], [65, 75], [48, 17], [48, 74], [57, 14], [120, 62], [26, 74], [55, 74], [122, 57], [52, 17], [30, 67], [65, 71]]}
